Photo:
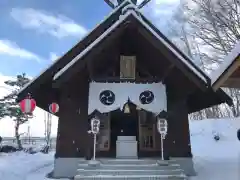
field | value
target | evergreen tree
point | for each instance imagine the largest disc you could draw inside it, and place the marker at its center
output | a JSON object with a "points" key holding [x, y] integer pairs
{"points": [[10, 108]]}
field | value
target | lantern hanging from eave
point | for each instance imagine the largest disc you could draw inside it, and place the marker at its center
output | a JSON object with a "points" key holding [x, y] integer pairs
{"points": [[54, 108], [27, 105]]}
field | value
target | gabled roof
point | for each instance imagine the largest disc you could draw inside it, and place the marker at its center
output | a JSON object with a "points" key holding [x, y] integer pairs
{"points": [[147, 25], [62, 66], [230, 63]]}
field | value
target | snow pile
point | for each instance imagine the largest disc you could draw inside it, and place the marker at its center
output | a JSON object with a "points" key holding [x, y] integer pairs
{"points": [[203, 143], [216, 160]]}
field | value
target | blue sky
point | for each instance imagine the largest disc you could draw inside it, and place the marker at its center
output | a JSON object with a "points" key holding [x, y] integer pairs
{"points": [[34, 33]]}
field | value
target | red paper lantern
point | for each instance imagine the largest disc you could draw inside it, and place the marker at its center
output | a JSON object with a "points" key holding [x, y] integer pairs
{"points": [[27, 105], [54, 108]]}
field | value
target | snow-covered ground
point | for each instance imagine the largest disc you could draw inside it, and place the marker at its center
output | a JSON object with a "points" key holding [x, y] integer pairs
{"points": [[23, 166], [216, 160], [213, 160]]}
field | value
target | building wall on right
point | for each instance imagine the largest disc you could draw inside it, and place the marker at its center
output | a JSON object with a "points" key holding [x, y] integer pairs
{"points": [[177, 144]]}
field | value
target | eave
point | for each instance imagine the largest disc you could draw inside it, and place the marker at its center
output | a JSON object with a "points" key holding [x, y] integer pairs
{"points": [[195, 102], [222, 77]]}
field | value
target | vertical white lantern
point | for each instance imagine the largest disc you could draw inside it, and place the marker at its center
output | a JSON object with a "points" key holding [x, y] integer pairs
{"points": [[95, 125], [162, 127]]}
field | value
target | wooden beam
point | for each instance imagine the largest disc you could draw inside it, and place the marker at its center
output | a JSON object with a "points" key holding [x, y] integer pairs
{"points": [[118, 80], [226, 75], [110, 3], [107, 67], [143, 70], [90, 69], [167, 72], [232, 82]]}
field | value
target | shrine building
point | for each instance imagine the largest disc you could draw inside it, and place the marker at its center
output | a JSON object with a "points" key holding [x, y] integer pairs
{"points": [[128, 74]]}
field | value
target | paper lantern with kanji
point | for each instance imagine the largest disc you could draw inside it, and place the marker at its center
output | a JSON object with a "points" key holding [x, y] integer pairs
{"points": [[27, 105], [54, 108]]}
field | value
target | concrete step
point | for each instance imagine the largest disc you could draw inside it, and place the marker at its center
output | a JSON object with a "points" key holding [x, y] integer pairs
{"points": [[133, 177], [112, 164], [126, 172], [134, 161], [131, 167]]}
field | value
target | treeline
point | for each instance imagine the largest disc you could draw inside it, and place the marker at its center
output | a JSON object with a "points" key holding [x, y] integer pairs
{"points": [[207, 30]]}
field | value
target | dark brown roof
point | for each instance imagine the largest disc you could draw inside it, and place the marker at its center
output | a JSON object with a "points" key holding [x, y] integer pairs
{"points": [[63, 64]]}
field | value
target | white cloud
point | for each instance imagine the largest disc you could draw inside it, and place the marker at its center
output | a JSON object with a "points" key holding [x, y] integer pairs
{"points": [[58, 26], [53, 56], [12, 49], [36, 124], [160, 11], [162, 7]]}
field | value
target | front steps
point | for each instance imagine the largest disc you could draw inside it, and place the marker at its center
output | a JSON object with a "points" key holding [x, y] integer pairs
{"points": [[134, 169]]}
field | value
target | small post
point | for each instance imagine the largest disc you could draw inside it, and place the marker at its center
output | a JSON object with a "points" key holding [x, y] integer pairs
{"points": [[94, 146], [29, 137], [162, 153]]}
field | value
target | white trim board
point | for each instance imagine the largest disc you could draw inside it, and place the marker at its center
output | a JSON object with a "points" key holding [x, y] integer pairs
{"points": [[131, 12], [44, 70], [228, 60]]}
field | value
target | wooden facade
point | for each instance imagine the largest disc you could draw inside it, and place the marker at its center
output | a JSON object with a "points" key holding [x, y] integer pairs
{"points": [[74, 141], [153, 62]]}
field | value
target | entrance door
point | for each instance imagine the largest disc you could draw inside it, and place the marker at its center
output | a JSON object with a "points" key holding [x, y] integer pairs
{"points": [[122, 124]]}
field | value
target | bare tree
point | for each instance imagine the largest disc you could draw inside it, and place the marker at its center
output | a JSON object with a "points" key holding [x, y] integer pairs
{"points": [[48, 129], [177, 30], [216, 26], [182, 34]]}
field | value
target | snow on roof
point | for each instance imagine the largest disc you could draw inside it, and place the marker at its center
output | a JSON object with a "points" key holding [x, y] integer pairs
{"points": [[228, 60], [131, 12]]}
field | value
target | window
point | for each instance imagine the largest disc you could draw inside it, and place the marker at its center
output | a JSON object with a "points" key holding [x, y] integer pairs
{"points": [[127, 67]]}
